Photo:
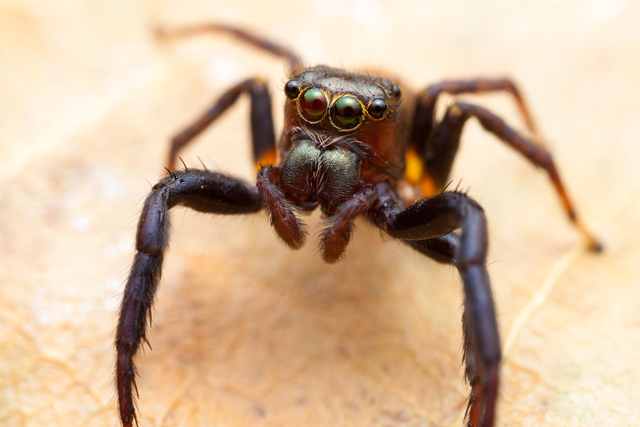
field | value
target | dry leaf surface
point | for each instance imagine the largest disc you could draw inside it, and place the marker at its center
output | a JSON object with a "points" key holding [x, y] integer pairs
{"points": [[247, 332]]}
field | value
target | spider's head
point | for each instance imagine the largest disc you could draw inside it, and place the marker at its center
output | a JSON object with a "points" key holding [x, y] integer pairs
{"points": [[340, 105], [342, 101]]}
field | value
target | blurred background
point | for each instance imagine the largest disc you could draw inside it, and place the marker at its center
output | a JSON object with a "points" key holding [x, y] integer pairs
{"points": [[247, 332]]}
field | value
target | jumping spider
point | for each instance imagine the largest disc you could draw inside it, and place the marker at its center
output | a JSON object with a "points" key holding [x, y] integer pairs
{"points": [[349, 141]]}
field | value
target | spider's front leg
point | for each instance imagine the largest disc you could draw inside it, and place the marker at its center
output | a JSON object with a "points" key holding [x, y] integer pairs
{"points": [[203, 191], [426, 226]]}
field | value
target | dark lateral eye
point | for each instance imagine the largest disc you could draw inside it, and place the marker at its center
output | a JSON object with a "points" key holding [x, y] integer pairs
{"points": [[292, 89], [347, 112], [396, 91], [313, 104], [377, 108]]}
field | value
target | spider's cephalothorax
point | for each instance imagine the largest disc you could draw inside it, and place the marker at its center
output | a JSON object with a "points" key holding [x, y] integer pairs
{"points": [[341, 137], [341, 106], [349, 140]]}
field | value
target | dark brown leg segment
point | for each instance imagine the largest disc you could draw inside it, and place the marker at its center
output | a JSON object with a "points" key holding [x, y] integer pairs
{"points": [[281, 211], [245, 36], [424, 121], [444, 145], [262, 131], [336, 236], [441, 249], [458, 114], [427, 226], [203, 191]]}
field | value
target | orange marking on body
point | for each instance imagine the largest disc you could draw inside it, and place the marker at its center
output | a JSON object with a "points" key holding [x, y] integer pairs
{"points": [[428, 187], [414, 167], [268, 159]]}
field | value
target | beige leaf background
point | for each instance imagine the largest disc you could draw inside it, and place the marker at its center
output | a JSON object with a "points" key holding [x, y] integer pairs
{"points": [[247, 332]]}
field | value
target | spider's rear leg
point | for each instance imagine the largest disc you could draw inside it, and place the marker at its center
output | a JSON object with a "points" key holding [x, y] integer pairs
{"points": [[262, 130], [446, 139], [243, 35], [427, 226], [425, 152], [424, 120], [203, 191]]}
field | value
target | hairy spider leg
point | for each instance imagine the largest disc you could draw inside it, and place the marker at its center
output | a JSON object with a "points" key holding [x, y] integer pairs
{"points": [[203, 191], [335, 237], [262, 131], [281, 212], [446, 140], [429, 161], [426, 226]]}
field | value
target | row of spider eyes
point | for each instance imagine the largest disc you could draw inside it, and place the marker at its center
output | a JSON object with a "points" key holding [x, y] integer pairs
{"points": [[347, 111]]}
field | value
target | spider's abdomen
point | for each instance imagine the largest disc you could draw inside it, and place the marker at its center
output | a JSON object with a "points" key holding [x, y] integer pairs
{"points": [[311, 175]]}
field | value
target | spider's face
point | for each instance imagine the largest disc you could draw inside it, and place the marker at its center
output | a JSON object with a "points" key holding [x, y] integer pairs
{"points": [[339, 108], [341, 102]]}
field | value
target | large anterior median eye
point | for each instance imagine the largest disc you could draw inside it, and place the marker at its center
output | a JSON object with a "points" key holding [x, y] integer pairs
{"points": [[313, 105], [346, 112]]}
